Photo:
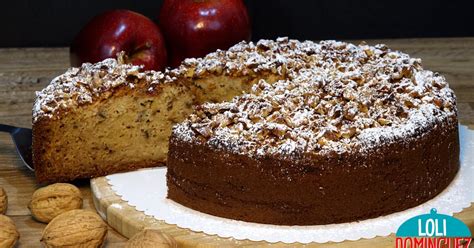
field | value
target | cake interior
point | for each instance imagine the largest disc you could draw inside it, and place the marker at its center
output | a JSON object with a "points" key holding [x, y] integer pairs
{"points": [[131, 128]]}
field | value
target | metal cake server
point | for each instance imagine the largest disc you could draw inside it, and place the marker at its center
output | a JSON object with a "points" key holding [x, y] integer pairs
{"points": [[22, 138]]}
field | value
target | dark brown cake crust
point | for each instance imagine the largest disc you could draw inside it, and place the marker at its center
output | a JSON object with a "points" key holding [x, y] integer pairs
{"points": [[315, 190]]}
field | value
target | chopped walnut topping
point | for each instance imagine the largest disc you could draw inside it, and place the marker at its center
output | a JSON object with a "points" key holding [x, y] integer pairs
{"points": [[82, 85], [335, 95]]}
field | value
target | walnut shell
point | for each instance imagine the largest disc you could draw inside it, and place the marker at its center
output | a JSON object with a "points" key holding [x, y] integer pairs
{"points": [[53, 200], [3, 201], [75, 228], [8, 233], [151, 238]]}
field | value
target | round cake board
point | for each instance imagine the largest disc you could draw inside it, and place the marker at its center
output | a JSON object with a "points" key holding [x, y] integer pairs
{"points": [[128, 221]]}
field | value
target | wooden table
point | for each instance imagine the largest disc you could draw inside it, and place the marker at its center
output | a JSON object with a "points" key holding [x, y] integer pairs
{"points": [[26, 70]]}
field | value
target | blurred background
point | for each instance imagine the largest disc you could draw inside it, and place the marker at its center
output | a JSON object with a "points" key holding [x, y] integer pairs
{"points": [[55, 22]]}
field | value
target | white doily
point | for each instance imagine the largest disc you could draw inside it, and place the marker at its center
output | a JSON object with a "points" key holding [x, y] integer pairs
{"points": [[146, 190]]}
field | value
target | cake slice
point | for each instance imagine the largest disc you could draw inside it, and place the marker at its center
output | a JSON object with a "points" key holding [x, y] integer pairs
{"points": [[111, 117], [103, 118]]}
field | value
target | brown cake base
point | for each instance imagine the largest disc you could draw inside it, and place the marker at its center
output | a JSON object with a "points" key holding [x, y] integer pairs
{"points": [[315, 189]]}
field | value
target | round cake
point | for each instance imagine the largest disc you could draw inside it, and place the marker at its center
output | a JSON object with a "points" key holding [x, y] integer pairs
{"points": [[348, 132]]}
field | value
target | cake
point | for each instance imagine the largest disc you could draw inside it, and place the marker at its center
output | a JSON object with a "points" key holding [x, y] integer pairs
{"points": [[278, 132], [349, 133]]}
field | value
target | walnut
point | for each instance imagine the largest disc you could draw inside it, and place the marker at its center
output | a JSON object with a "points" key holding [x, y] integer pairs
{"points": [[75, 228], [289, 122], [50, 201], [322, 141], [222, 120], [409, 104], [335, 111], [278, 131], [332, 135], [393, 55], [3, 201], [312, 101], [363, 108], [369, 52], [438, 102], [121, 58], [202, 129], [350, 113], [415, 94], [448, 105], [190, 72], [349, 94], [151, 238], [383, 121], [320, 109], [348, 133], [439, 82], [8, 233], [359, 79]]}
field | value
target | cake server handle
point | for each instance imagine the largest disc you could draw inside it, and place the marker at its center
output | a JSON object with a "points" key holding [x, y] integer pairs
{"points": [[6, 128], [22, 137]]}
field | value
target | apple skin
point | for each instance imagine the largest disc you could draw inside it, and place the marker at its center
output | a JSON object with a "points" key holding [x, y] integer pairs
{"points": [[120, 30], [194, 28]]}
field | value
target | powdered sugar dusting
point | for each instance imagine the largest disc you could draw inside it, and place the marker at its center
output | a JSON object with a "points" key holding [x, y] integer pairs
{"points": [[334, 96], [337, 97], [82, 85]]}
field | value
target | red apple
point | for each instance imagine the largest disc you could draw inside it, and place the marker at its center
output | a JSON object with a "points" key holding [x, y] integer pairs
{"points": [[120, 30], [194, 28]]}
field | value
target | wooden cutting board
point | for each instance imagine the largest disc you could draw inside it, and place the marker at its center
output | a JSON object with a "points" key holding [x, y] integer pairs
{"points": [[127, 220]]}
